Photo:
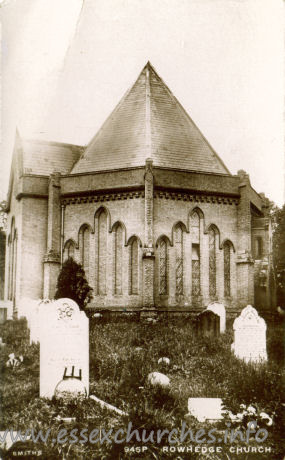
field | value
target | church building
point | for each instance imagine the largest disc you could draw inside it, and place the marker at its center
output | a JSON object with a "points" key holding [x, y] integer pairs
{"points": [[148, 208]]}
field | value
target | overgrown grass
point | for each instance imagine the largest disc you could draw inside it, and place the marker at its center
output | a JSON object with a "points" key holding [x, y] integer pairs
{"points": [[122, 354]]}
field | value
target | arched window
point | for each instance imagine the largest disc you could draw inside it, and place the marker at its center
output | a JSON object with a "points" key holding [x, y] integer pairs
{"points": [[195, 239], [84, 245], [101, 253], [163, 266], [69, 250], [118, 259], [227, 269], [134, 267], [178, 244], [212, 263]]}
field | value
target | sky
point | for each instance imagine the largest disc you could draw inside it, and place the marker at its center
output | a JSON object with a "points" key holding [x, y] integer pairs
{"points": [[67, 63]]}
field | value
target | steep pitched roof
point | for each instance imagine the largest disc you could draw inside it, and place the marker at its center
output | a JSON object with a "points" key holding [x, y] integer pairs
{"points": [[43, 157], [149, 122]]}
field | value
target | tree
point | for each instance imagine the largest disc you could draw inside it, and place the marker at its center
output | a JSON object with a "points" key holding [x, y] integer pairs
{"points": [[279, 254], [73, 284]]}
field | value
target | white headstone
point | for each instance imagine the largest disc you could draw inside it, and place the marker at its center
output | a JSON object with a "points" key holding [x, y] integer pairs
{"points": [[31, 309], [250, 336], [220, 310], [64, 346], [205, 408]]}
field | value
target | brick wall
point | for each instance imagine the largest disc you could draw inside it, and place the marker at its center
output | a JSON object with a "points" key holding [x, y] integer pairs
{"points": [[131, 213], [34, 240]]}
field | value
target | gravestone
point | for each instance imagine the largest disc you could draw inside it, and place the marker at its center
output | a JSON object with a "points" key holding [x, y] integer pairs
{"points": [[220, 310], [207, 324], [38, 317], [29, 309], [250, 336], [205, 409], [64, 346], [3, 315]]}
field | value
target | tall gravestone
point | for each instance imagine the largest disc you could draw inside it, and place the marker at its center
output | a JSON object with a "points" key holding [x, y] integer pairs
{"points": [[250, 336], [220, 310], [64, 346], [207, 324]]}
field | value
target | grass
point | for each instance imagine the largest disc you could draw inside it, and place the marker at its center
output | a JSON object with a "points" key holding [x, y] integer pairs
{"points": [[122, 354]]}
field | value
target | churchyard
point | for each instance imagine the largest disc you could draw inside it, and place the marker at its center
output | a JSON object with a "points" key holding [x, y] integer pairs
{"points": [[127, 355]]}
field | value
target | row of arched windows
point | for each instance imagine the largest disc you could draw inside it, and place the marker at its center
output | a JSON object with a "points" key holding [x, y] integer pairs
{"points": [[118, 232], [101, 231], [195, 262]]}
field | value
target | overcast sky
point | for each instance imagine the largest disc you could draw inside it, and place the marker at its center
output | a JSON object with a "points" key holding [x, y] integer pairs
{"points": [[66, 64]]}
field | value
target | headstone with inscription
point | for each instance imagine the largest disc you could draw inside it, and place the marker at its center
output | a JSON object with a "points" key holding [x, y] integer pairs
{"points": [[220, 310], [207, 324], [64, 346], [250, 336]]}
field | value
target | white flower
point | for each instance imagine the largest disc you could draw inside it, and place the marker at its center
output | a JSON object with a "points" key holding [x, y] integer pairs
{"points": [[242, 406], [21, 358], [270, 421], [232, 417], [263, 415], [239, 416], [251, 410]]}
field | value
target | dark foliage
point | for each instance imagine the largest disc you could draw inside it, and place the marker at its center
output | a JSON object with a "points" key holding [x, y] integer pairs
{"points": [[73, 284], [279, 254]]}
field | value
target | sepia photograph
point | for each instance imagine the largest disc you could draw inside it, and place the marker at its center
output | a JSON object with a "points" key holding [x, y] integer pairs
{"points": [[142, 230]]}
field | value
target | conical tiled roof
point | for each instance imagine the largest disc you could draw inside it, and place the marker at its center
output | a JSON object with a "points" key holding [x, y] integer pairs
{"points": [[149, 122]]}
